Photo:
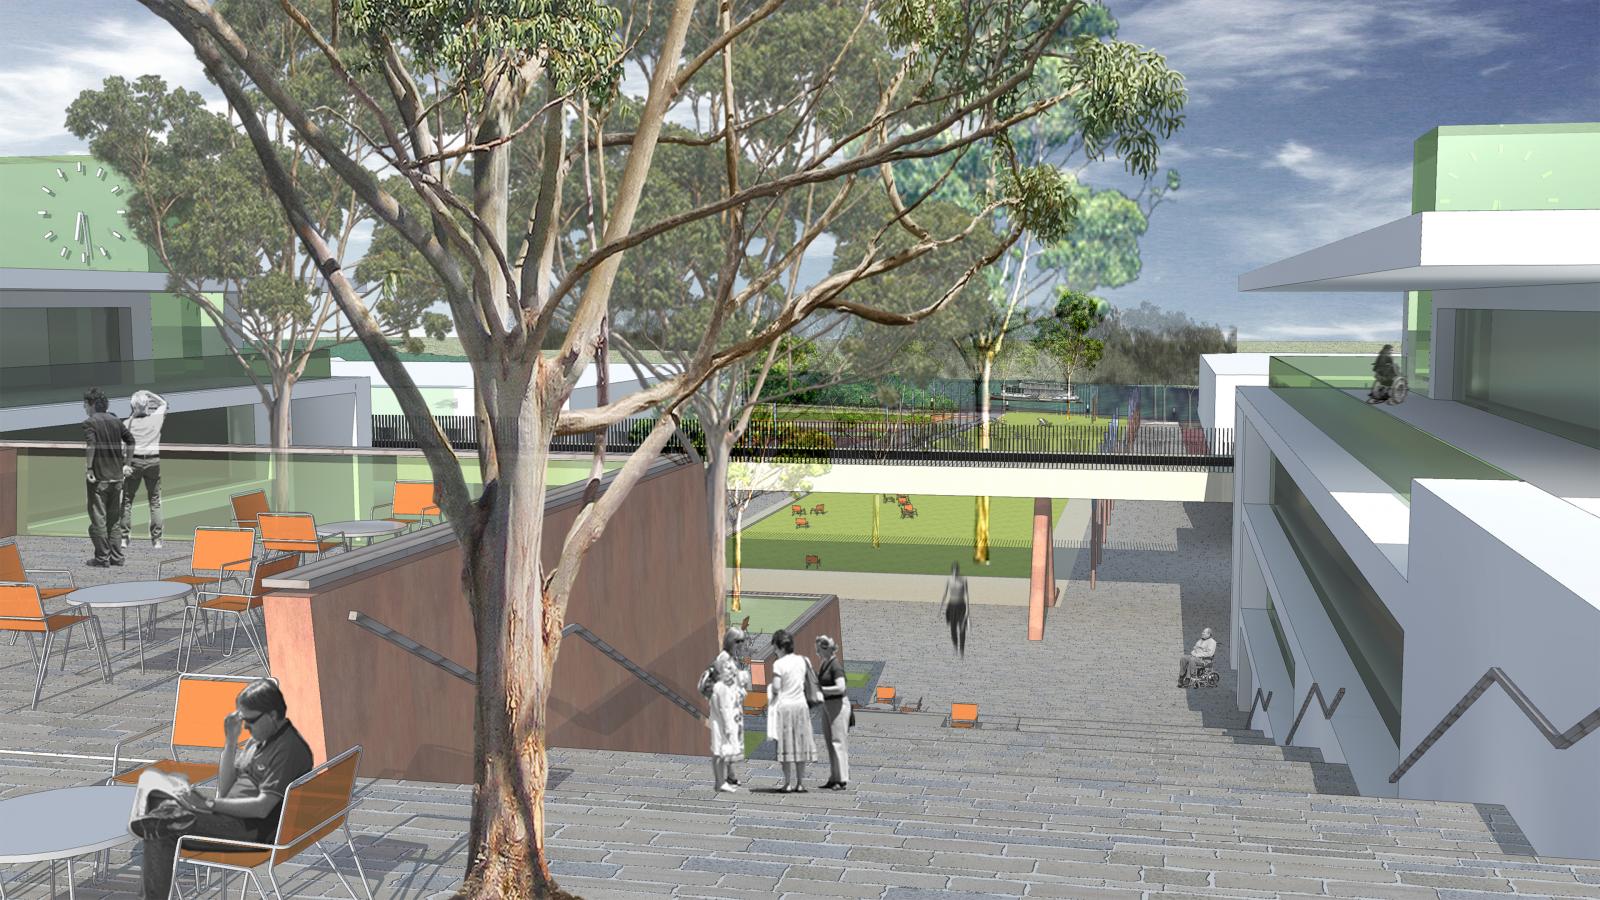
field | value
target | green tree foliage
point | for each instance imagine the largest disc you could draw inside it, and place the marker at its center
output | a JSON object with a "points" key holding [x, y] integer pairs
{"points": [[1150, 345], [199, 200], [1065, 335], [488, 136]]}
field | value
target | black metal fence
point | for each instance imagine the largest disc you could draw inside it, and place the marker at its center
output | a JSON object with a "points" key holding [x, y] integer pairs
{"points": [[953, 439]]}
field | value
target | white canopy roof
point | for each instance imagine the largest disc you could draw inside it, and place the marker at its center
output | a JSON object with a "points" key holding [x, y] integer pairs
{"points": [[1447, 250]]}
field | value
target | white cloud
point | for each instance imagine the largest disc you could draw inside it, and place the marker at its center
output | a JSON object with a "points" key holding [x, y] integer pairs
{"points": [[1493, 69], [1344, 196], [41, 79], [1300, 46]]}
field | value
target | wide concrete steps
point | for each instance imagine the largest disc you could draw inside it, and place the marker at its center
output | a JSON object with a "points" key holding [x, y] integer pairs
{"points": [[623, 825]]}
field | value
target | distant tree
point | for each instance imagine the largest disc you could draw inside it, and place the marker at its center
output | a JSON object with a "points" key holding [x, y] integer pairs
{"points": [[1150, 345], [199, 200], [1065, 335]]}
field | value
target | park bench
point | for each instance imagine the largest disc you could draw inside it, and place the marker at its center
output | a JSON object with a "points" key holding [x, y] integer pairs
{"points": [[883, 694], [755, 702], [963, 715], [797, 510], [813, 560], [802, 522], [819, 509]]}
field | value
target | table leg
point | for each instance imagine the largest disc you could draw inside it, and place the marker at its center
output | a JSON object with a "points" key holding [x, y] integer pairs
{"points": [[141, 645], [124, 628], [72, 891]]}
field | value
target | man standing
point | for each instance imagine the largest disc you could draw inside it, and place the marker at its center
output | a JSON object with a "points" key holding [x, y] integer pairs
{"points": [[1204, 651], [106, 441], [149, 412]]}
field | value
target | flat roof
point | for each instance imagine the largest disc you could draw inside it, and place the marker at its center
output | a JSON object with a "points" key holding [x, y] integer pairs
{"points": [[1447, 250]]}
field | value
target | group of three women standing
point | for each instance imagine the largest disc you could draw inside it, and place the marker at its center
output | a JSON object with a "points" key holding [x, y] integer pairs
{"points": [[788, 716]]}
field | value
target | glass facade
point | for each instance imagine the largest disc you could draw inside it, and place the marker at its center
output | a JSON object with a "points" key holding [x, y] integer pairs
{"points": [[1417, 345], [48, 336], [1371, 636], [1487, 167], [1537, 367]]}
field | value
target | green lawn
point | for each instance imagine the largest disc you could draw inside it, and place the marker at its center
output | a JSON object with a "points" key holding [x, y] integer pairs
{"points": [[768, 614], [940, 534]]}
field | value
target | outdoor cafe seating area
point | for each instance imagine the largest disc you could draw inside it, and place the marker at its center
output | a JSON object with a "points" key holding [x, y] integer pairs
{"points": [[92, 697]]}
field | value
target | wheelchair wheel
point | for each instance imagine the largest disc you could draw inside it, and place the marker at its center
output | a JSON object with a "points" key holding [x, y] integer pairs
{"points": [[1212, 678], [1398, 391]]}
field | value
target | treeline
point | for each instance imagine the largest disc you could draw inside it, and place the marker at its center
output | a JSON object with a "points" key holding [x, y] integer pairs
{"points": [[1149, 345]]}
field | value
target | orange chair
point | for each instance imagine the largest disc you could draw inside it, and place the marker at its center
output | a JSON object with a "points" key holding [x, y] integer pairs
{"points": [[885, 695], [755, 703], [802, 523], [297, 533], [963, 715], [813, 559], [247, 505], [22, 610], [12, 570], [820, 509], [315, 805], [758, 673], [797, 510], [239, 606], [413, 504], [216, 553], [202, 702], [907, 511]]}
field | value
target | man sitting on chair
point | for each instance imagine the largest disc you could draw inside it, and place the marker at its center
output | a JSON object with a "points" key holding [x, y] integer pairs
{"points": [[1203, 651], [250, 785]]}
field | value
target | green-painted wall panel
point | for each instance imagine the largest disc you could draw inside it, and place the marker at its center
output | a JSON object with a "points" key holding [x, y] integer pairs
{"points": [[1488, 167]]}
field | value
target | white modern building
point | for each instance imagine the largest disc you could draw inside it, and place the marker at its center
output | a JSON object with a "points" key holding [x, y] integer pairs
{"points": [[84, 304], [1402, 553]]}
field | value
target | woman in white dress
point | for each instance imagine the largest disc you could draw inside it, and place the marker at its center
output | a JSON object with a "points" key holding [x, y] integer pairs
{"points": [[788, 714]]}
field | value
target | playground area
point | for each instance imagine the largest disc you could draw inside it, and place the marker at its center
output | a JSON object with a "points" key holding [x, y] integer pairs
{"points": [[924, 540]]}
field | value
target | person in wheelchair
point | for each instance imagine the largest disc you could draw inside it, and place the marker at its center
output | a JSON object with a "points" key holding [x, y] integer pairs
{"points": [[1199, 657], [1384, 372]]}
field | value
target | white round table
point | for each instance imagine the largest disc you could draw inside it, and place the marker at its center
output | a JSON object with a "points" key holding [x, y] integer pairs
{"points": [[62, 824], [126, 595], [362, 528]]}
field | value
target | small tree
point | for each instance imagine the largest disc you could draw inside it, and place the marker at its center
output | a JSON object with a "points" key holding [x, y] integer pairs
{"points": [[1065, 336]]}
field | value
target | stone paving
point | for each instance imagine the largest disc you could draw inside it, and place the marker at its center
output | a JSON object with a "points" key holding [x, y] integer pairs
{"points": [[1092, 774]]}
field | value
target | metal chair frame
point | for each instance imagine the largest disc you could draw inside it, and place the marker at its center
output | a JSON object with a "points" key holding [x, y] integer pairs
{"points": [[314, 543], [251, 596], [95, 637], [274, 849]]}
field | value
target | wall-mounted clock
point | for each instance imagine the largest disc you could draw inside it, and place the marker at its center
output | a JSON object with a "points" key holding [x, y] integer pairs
{"points": [[69, 192]]}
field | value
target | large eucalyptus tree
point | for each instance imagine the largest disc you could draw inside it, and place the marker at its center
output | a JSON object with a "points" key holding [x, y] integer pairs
{"points": [[515, 88]]}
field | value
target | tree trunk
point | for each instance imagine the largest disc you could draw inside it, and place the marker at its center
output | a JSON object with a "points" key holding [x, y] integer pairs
{"points": [[980, 530], [877, 517], [738, 558], [282, 435], [518, 631], [716, 475]]}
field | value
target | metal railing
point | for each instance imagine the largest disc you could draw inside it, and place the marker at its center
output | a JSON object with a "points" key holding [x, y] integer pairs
{"points": [[952, 439], [454, 668], [1328, 709], [1559, 740], [1264, 700]]}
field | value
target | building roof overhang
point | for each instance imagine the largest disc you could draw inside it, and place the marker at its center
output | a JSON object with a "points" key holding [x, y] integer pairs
{"points": [[1447, 250]]}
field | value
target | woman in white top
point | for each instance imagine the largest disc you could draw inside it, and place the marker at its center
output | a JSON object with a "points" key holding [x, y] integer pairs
{"points": [[788, 715], [727, 724]]}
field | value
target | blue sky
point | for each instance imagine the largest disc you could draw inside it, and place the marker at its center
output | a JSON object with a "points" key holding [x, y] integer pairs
{"points": [[1300, 122]]}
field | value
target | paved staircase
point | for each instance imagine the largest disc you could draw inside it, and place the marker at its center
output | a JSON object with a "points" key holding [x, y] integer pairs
{"points": [[1032, 807]]}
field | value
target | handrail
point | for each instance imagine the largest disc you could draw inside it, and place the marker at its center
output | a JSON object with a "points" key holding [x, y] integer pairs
{"points": [[1265, 701], [628, 664], [461, 672], [412, 647], [1327, 709], [1560, 740]]}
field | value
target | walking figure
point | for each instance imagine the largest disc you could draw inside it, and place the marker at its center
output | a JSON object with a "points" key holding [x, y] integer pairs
{"points": [[955, 609]]}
